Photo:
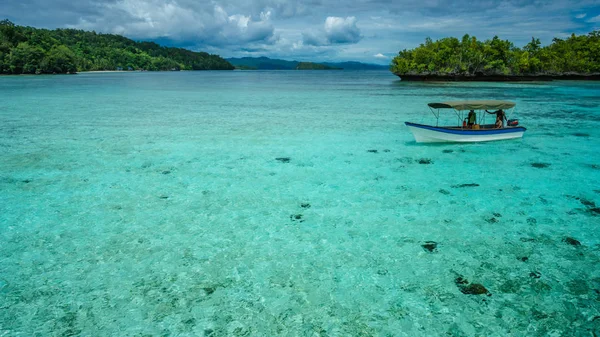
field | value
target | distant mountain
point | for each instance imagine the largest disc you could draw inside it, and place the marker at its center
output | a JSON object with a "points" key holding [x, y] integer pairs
{"points": [[314, 66], [262, 63], [357, 66], [265, 63]]}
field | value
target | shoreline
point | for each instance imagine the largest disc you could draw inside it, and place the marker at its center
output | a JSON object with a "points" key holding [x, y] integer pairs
{"points": [[105, 71], [498, 78]]}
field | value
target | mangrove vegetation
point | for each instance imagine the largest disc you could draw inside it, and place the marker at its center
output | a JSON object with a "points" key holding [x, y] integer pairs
{"points": [[28, 50], [469, 58]]}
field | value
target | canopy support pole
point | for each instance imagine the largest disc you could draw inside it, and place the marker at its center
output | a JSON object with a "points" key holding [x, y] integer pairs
{"points": [[437, 115]]}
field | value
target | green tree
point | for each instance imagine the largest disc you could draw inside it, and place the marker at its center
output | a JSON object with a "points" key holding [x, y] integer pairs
{"points": [[10, 33], [25, 59], [578, 54], [70, 50], [59, 60]]}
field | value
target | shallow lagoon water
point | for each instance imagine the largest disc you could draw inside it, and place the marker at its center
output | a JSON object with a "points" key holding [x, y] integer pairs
{"points": [[292, 203]]}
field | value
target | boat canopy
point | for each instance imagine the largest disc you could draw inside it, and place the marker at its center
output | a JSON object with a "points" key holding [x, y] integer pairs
{"points": [[473, 105]]}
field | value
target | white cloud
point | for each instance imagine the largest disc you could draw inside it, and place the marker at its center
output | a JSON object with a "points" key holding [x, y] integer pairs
{"points": [[209, 24], [315, 38], [594, 19], [336, 30], [342, 30], [298, 28], [380, 56]]}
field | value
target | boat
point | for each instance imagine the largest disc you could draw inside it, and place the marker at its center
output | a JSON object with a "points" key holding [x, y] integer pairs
{"points": [[463, 132]]}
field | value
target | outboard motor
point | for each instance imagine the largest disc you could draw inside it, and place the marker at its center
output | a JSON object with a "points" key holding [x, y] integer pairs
{"points": [[512, 122]]}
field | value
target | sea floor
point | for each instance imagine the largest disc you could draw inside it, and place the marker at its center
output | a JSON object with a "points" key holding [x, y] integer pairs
{"points": [[292, 204]]}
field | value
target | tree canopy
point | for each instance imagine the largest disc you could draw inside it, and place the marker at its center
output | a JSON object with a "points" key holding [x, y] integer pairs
{"points": [[28, 50], [470, 57]]}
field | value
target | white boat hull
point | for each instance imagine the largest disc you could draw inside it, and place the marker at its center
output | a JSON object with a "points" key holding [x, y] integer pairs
{"points": [[433, 134]]}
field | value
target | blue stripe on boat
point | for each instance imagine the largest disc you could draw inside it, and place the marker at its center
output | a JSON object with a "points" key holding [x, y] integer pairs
{"points": [[467, 131]]}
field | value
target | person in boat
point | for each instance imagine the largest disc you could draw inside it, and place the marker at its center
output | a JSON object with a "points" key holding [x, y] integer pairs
{"points": [[500, 117], [471, 119]]}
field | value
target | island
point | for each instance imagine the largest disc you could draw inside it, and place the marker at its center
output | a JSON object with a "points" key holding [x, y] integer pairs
{"points": [[28, 50], [468, 59], [265, 63], [314, 66]]}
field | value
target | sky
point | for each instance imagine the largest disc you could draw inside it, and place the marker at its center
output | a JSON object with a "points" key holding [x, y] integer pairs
{"points": [[370, 31]]}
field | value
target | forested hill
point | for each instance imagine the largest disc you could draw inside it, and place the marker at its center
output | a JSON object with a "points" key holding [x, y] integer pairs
{"points": [[265, 63], [27, 50], [450, 58]]}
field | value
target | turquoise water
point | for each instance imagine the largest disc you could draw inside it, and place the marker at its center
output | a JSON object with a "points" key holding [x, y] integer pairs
{"points": [[154, 204]]}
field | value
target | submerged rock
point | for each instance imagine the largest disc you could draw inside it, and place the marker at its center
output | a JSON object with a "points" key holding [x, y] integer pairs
{"points": [[491, 220], [296, 217], [465, 185], [460, 280], [443, 191], [470, 288], [535, 274], [283, 159], [571, 241], [497, 215], [527, 239], [189, 322], [305, 205], [425, 161], [590, 205], [523, 258], [386, 150], [587, 203], [166, 172], [448, 151], [531, 221], [578, 287], [209, 290], [538, 314], [540, 165], [372, 151], [430, 246], [474, 289]]}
